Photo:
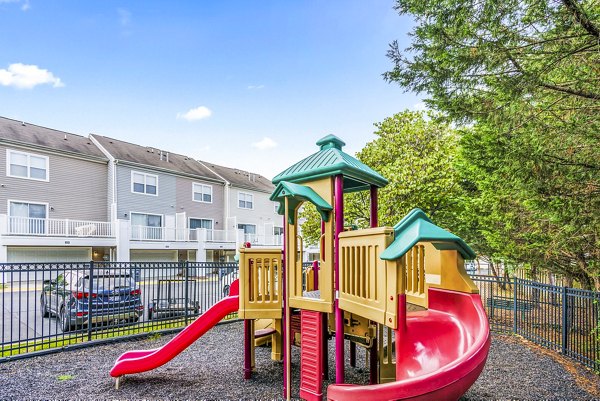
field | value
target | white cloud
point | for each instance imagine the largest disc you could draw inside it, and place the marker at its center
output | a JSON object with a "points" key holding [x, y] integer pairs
{"points": [[26, 76], [26, 6], [253, 87], [265, 144], [198, 113], [124, 17]]}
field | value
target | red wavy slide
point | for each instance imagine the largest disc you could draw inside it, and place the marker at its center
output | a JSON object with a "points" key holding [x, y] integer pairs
{"points": [[143, 360], [442, 352]]}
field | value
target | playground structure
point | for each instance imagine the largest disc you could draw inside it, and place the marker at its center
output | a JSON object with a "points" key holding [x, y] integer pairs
{"points": [[400, 292]]}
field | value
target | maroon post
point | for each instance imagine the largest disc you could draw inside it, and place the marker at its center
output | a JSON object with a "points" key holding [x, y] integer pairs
{"points": [[339, 314], [400, 331], [373, 350], [325, 330], [315, 268], [247, 349], [284, 320]]}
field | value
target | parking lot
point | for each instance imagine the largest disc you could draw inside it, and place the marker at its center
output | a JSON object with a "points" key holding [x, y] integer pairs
{"points": [[161, 294]]}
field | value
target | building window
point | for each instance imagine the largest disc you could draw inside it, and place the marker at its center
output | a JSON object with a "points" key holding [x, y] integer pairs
{"points": [[143, 183], [26, 165], [146, 226], [27, 218], [276, 207], [201, 223], [245, 201], [248, 228], [277, 230], [197, 224], [202, 193]]}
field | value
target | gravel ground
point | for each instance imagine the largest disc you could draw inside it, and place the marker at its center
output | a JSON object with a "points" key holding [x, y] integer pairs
{"points": [[212, 369]]}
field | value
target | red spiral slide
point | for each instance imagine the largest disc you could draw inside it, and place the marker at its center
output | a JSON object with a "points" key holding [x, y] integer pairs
{"points": [[441, 353], [142, 361]]}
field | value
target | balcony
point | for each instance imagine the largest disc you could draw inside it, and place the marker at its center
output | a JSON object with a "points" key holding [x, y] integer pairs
{"points": [[267, 240], [28, 226], [147, 233], [221, 236]]}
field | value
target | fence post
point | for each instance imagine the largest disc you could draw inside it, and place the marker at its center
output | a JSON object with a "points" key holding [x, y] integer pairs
{"points": [[185, 266], [515, 311], [91, 289], [565, 329]]}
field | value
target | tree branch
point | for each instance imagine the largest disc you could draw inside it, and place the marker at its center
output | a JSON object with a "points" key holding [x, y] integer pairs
{"points": [[582, 18]]}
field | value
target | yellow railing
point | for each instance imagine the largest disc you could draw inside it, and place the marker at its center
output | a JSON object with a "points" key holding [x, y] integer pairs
{"points": [[416, 288], [362, 273], [260, 283]]}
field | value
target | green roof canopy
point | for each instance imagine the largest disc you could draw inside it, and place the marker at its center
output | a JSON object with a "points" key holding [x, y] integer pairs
{"points": [[330, 160], [297, 194], [416, 227]]}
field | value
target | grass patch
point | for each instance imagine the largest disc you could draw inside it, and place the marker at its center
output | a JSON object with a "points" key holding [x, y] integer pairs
{"points": [[63, 378]]}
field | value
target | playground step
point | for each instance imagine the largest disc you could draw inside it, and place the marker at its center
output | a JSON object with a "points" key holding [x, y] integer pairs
{"points": [[311, 355]]}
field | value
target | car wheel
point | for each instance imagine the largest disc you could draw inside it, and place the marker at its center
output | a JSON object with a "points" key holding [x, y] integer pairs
{"points": [[44, 306], [133, 319], [226, 290], [65, 321]]}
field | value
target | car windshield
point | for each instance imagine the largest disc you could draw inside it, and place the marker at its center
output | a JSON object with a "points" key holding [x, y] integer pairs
{"points": [[108, 282]]}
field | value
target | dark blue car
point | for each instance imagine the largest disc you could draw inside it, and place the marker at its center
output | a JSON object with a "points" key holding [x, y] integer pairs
{"points": [[114, 297]]}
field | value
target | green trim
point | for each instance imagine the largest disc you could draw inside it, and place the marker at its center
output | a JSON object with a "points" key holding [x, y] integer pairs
{"points": [[416, 227], [297, 194], [330, 161]]}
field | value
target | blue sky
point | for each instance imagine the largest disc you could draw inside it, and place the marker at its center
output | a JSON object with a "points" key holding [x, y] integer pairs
{"points": [[246, 84]]}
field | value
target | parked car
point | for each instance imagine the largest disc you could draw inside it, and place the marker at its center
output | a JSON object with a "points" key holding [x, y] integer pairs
{"points": [[172, 300], [114, 297], [227, 280]]}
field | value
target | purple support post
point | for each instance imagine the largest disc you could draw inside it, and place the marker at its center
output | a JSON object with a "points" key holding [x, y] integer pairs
{"points": [[374, 219], [315, 268], [284, 314], [325, 330], [247, 349], [339, 314], [373, 379]]}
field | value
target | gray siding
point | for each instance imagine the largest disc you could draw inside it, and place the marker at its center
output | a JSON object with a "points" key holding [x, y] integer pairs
{"points": [[214, 210], [128, 201], [76, 190]]}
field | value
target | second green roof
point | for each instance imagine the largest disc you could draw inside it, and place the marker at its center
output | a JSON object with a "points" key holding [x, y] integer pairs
{"points": [[330, 160]]}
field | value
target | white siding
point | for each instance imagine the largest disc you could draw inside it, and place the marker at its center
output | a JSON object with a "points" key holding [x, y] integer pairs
{"points": [[263, 211]]}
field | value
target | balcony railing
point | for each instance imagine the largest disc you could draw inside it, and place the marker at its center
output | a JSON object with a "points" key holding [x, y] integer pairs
{"points": [[257, 239], [147, 233], [221, 236], [58, 227]]}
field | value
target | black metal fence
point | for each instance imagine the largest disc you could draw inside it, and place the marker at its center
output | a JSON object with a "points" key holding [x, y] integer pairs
{"points": [[52, 306], [566, 320]]}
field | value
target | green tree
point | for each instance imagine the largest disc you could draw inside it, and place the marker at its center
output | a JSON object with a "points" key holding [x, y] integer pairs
{"points": [[524, 75], [415, 151]]}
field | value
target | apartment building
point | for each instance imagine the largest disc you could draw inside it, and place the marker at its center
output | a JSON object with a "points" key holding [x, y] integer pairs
{"points": [[65, 197], [52, 196], [248, 207]]}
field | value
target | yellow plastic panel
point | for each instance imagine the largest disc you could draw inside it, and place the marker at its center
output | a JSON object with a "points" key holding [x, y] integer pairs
{"points": [[260, 284], [445, 269], [362, 274]]}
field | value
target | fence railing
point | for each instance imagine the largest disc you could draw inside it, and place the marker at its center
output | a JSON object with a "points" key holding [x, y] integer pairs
{"points": [[51, 306], [566, 320], [58, 227]]}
